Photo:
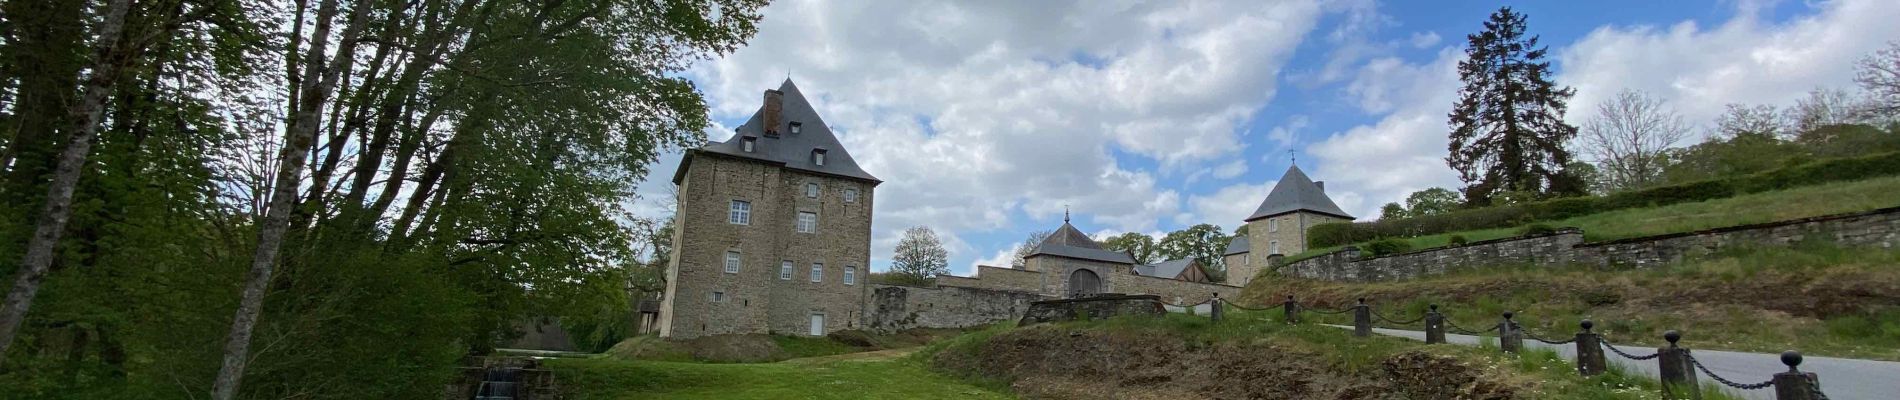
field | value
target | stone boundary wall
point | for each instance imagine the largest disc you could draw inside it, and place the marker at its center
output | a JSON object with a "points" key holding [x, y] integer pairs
{"points": [[1566, 247], [1172, 291], [995, 278], [895, 308]]}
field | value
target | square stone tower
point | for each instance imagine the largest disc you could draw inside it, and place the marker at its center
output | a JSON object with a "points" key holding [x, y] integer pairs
{"points": [[1279, 226], [773, 232]]}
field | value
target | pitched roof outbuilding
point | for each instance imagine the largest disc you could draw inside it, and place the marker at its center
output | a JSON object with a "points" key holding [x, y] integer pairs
{"points": [[1237, 246], [1069, 242]]}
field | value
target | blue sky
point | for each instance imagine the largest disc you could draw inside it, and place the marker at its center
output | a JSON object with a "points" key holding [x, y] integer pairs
{"points": [[986, 118]]}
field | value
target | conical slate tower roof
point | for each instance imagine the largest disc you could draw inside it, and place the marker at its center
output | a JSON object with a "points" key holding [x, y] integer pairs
{"points": [[1072, 243], [794, 150], [1296, 192]]}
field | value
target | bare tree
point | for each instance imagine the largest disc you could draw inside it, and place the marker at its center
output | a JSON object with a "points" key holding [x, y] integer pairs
{"points": [[107, 62], [1823, 107], [1628, 136], [1028, 246], [1744, 120], [919, 256], [1879, 75]]}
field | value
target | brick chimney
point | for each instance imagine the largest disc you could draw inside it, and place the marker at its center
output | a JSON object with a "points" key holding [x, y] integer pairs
{"points": [[770, 118]]}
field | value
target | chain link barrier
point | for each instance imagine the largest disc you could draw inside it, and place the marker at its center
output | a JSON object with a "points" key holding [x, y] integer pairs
{"points": [[1548, 341], [1613, 349], [1319, 311], [1375, 314], [1462, 331], [1725, 381], [1237, 305]]}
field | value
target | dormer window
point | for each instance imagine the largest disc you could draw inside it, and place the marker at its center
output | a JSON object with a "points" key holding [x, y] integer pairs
{"points": [[817, 155], [795, 126], [750, 144]]}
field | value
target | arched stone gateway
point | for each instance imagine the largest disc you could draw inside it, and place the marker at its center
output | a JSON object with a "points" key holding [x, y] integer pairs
{"points": [[1084, 282]]}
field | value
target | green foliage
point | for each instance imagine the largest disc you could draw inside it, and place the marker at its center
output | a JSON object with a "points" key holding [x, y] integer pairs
{"points": [[1392, 211], [1457, 240], [1812, 173], [1204, 243], [1431, 201], [1386, 247], [904, 378], [1136, 244]]}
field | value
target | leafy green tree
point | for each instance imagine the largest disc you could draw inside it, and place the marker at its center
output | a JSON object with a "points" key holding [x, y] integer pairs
{"points": [[1508, 133], [919, 256], [1392, 211], [1028, 245], [1203, 243], [1136, 244], [1432, 201], [1241, 231]]}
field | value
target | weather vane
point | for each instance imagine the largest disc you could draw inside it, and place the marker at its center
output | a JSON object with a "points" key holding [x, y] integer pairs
{"points": [[1065, 213]]}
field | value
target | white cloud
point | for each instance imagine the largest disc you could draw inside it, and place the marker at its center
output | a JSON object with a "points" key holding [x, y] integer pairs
{"points": [[1423, 40], [1002, 258], [976, 114], [1231, 169], [1742, 60], [1369, 165], [1229, 206]]}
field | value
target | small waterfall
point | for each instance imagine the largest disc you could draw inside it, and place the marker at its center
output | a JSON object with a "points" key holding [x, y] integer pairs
{"points": [[499, 383]]}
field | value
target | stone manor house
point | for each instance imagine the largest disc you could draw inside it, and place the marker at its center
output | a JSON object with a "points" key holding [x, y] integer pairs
{"points": [[773, 235]]}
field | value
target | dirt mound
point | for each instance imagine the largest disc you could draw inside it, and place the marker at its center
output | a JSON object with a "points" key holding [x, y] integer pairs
{"points": [[734, 348], [1060, 363], [649, 348]]}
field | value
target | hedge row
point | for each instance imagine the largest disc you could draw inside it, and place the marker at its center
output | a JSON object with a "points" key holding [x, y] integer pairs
{"points": [[1811, 173]]}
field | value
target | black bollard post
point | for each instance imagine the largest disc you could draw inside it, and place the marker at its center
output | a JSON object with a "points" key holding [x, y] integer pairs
{"points": [[1589, 353], [1509, 338], [1292, 310], [1794, 384], [1678, 376], [1434, 326], [1362, 319], [1216, 311]]}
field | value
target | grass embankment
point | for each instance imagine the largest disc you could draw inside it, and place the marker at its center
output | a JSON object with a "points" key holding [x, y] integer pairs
{"points": [[1253, 355], [1803, 202], [768, 348], [1814, 297], [900, 378]]}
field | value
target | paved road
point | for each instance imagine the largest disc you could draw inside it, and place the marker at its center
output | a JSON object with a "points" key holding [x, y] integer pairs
{"points": [[1841, 378]]}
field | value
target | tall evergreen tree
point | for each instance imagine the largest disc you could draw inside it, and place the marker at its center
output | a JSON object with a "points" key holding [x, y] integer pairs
{"points": [[1508, 132]]}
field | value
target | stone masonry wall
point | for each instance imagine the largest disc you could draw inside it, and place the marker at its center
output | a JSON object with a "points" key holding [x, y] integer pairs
{"points": [[895, 308], [1880, 228], [994, 278], [1172, 291]]}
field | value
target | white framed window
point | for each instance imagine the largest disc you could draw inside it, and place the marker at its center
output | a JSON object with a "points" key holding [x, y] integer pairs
{"points": [[1273, 247], [750, 143], [811, 190], [850, 195], [817, 272], [718, 296], [741, 213], [807, 222], [785, 271], [1273, 225], [732, 262], [850, 275]]}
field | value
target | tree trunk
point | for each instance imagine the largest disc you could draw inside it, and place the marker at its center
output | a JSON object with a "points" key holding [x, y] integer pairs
{"points": [[296, 151], [59, 195]]}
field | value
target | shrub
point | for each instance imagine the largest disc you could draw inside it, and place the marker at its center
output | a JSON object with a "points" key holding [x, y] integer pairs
{"points": [[1537, 230], [1332, 234], [1457, 240], [1386, 247]]}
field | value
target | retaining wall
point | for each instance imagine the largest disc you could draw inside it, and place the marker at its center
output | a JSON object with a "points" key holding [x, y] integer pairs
{"points": [[895, 308]]}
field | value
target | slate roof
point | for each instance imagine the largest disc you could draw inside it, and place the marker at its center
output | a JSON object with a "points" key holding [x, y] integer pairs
{"points": [[792, 150], [1170, 269], [1296, 192], [1069, 242], [1237, 246]]}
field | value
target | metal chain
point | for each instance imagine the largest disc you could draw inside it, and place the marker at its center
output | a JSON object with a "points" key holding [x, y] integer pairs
{"points": [[1382, 317], [1340, 311], [1461, 330], [1718, 378], [1237, 305], [1620, 352], [1559, 342], [1186, 306]]}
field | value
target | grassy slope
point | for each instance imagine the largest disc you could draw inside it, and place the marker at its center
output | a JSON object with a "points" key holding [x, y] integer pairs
{"points": [[1814, 297], [606, 378], [1540, 375], [1809, 201]]}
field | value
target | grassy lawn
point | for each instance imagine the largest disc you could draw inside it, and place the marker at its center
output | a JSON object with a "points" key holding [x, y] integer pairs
{"points": [[1813, 297], [1534, 374], [1809, 201], [888, 378]]}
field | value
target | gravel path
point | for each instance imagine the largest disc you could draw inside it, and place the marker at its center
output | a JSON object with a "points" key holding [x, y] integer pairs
{"points": [[1841, 378]]}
